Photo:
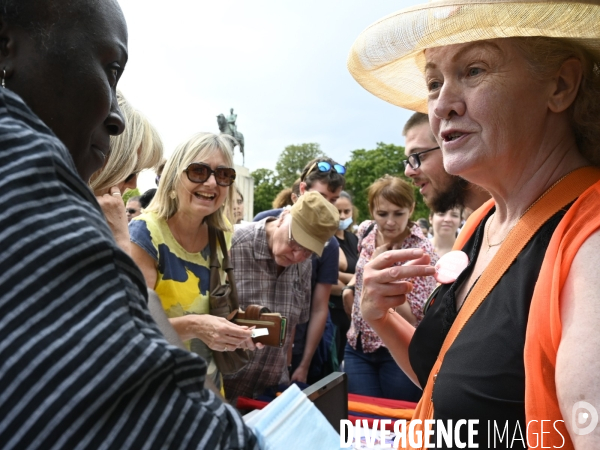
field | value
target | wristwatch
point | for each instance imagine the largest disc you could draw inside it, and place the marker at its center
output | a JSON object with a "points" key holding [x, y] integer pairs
{"points": [[350, 287]]}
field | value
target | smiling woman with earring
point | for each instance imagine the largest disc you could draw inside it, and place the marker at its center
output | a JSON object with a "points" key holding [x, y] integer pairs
{"points": [[370, 367], [171, 237]]}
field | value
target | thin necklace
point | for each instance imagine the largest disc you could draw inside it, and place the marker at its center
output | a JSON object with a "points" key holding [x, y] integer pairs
{"points": [[489, 224], [487, 233], [177, 237]]}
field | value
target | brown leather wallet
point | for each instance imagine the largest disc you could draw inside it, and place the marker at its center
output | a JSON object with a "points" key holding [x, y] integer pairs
{"points": [[260, 317]]}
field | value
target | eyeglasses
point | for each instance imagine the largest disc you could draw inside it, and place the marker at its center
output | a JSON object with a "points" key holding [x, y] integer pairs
{"points": [[130, 177], [297, 248], [414, 160], [200, 173], [324, 166], [132, 211]]}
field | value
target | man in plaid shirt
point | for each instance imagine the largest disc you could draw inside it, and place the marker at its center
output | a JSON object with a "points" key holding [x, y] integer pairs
{"points": [[273, 269]]}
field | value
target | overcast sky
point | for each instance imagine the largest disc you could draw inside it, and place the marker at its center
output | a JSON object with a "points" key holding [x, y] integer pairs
{"points": [[280, 64]]}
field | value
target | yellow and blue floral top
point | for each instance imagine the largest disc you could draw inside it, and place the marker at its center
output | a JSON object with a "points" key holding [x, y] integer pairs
{"points": [[183, 278]]}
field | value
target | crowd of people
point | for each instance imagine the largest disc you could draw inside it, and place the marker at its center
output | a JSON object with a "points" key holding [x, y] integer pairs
{"points": [[505, 132]]}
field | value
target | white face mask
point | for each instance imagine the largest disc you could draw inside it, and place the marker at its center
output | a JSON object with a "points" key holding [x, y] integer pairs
{"points": [[345, 223]]}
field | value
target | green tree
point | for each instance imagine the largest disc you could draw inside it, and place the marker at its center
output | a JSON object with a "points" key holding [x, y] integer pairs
{"points": [[130, 193], [266, 188], [366, 166], [293, 159]]}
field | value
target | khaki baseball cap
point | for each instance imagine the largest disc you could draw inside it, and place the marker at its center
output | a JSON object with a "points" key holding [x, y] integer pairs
{"points": [[314, 221]]}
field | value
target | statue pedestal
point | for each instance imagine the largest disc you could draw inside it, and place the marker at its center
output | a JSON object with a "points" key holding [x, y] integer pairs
{"points": [[245, 183]]}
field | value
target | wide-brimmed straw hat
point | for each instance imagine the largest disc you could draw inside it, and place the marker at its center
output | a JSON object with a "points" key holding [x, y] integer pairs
{"points": [[388, 58]]}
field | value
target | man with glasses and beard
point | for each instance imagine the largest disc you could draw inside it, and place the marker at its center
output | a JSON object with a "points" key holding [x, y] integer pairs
{"points": [[425, 166]]}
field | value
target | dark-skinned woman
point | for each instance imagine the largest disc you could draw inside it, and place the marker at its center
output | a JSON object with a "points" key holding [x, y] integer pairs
{"points": [[83, 362]]}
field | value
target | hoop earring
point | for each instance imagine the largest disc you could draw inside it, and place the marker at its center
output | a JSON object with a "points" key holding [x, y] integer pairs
{"points": [[3, 78]]}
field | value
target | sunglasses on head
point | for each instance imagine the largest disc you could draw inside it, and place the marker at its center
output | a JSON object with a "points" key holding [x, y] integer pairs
{"points": [[201, 172], [324, 166]]}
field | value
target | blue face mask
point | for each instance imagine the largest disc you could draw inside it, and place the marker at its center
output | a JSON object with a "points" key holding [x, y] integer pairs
{"points": [[345, 223]]}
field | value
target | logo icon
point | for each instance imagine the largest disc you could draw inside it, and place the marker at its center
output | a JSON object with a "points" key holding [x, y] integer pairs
{"points": [[584, 418]]}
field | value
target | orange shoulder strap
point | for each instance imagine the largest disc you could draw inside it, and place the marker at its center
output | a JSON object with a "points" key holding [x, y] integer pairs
{"points": [[471, 224], [559, 196]]}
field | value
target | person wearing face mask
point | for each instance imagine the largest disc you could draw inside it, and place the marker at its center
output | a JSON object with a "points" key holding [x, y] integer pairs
{"points": [[370, 367], [347, 265], [445, 226]]}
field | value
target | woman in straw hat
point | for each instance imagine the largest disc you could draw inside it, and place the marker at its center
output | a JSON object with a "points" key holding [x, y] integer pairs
{"points": [[512, 89]]}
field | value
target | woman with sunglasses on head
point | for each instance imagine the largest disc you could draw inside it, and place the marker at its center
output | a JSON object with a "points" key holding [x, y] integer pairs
{"points": [[139, 147], [171, 237], [370, 367]]}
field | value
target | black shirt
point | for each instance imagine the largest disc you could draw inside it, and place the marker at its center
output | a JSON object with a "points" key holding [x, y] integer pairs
{"points": [[483, 374], [349, 246]]}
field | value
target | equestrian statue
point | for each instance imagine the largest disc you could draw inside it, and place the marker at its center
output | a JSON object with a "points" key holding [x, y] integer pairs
{"points": [[227, 126]]}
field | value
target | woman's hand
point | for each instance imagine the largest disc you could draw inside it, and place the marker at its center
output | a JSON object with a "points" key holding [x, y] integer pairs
{"points": [[217, 333], [381, 250], [114, 211], [383, 287], [348, 300]]}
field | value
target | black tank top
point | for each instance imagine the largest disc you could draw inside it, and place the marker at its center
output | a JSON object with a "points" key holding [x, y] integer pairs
{"points": [[483, 374], [349, 246]]}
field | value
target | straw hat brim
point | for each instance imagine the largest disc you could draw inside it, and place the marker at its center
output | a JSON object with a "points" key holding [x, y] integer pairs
{"points": [[388, 57]]}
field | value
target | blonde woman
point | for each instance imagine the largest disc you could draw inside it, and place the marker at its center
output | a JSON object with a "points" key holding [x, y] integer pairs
{"points": [[139, 147], [196, 190]]}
